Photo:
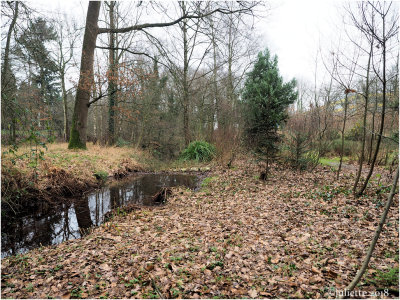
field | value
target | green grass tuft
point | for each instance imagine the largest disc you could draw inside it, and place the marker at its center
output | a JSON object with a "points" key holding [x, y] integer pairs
{"points": [[199, 151]]}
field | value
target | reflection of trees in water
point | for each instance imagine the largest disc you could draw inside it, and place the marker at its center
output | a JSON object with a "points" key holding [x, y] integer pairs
{"points": [[65, 231], [98, 204], [47, 224], [114, 197], [43, 227], [28, 231], [82, 213]]}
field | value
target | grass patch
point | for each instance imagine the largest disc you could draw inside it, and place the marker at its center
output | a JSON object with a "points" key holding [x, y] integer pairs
{"points": [[332, 161], [206, 182]]}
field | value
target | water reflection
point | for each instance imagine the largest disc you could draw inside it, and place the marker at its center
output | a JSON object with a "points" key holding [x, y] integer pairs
{"points": [[50, 225]]}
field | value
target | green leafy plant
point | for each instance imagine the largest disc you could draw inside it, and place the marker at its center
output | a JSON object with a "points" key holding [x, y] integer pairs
{"points": [[388, 278], [29, 288], [101, 175], [121, 142], [199, 151], [207, 181], [76, 293], [214, 264]]}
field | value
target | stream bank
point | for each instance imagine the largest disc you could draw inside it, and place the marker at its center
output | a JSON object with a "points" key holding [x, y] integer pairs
{"points": [[71, 218], [62, 173]]}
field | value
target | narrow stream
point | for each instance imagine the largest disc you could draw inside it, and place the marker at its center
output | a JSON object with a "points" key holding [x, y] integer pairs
{"points": [[52, 225]]}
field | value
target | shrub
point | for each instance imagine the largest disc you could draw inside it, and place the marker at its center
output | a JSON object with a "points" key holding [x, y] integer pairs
{"points": [[296, 151], [121, 142], [388, 278], [355, 133], [351, 148], [199, 151]]}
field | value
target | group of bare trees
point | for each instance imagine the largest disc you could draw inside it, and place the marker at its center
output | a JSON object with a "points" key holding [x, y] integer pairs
{"points": [[162, 83], [355, 111], [197, 33]]}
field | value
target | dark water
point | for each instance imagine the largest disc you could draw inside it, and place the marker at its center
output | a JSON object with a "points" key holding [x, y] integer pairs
{"points": [[53, 224]]}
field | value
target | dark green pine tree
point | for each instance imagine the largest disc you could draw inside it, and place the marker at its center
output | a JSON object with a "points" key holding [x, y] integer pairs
{"points": [[32, 47], [266, 99]]}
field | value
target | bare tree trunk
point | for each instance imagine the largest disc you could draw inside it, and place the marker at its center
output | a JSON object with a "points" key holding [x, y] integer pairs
{"points": [[343, 128], [366, 97], [186, 130], [6, 68], [65, 107], [378, 231], [215, 104], [6, 61], [79, 118], [231, 88], [95, 111], [111, 78], [373, 127]]}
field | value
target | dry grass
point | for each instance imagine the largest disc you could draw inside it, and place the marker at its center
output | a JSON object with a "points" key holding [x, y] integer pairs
{"points": [[59, 166], [84, 163]]}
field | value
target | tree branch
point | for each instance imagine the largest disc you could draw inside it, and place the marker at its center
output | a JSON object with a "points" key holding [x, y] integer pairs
{"points": [[100, 97], [165, 24]]}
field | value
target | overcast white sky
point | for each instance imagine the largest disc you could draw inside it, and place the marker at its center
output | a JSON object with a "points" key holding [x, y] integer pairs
{"points": [[293, 30]]}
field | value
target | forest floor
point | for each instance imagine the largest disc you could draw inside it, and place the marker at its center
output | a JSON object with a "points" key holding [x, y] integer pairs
{"points": [[297, 235]]}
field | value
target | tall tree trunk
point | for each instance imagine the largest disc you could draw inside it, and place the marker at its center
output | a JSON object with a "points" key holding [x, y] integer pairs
{"points": [[371, 145], [65, 106], [215, 104], [6, 60], [343, 129], [4, 74], [186, 129], [231, 88], [366, 97], [111, 78], [79, 118], [378, 231]]}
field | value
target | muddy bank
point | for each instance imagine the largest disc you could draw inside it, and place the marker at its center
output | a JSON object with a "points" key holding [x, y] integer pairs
{"points": [[22, 190]]}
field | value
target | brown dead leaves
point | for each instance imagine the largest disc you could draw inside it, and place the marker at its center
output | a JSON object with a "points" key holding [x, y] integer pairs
{"points": [[236, 237]]}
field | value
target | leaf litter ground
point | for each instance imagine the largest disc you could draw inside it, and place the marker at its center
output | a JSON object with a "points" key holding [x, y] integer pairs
{"points": [[298, 235]]}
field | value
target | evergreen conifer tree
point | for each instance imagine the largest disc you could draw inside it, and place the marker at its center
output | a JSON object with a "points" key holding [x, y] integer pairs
{"points": [[266, 99]]}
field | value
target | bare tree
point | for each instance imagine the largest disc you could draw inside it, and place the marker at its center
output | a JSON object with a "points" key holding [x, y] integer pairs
{"points": [[366, 86], [382, 33], [343, 72], [79, 119], [7, 78], [66, 41]]}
